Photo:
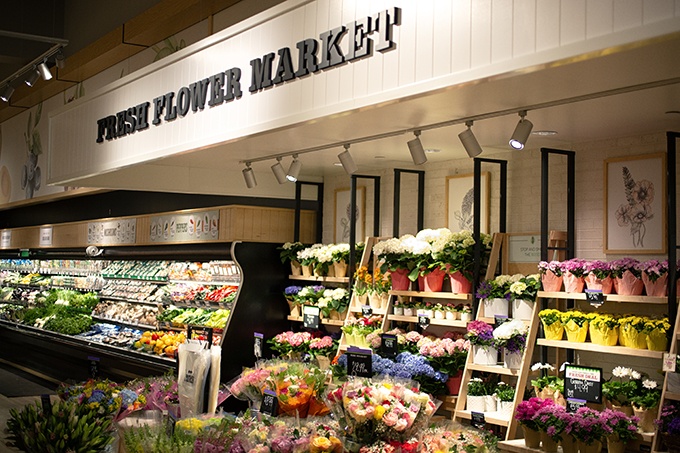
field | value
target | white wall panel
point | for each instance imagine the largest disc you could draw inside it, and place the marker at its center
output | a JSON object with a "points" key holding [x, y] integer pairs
{"points": [[407, 40], [547, 24], [307, 83], [524, 27], [502, 20], [657, 10], [480, 44], [425, 41], [599, 17], [572, 21], [442, 40], [461, 51], [627, 14]]}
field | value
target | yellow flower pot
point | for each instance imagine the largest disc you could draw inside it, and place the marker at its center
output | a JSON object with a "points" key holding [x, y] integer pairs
{"points": [[631, 338], [575, 332], [554, 331], [604, 335], [657, 341]]}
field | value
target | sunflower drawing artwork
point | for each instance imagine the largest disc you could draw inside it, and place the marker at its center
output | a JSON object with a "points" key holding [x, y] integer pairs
{"points": [[638, 207]]}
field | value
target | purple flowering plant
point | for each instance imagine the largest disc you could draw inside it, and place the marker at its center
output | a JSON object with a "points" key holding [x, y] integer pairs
{"points": [[588, 426], [553, 420], [575, 266], [479, 333], [554, 266], [619, 424], [618, 267], [526, 411], [600, 269], [654, 268]]}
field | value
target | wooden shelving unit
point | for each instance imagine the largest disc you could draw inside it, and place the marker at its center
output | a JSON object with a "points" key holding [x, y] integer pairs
{"points": [[592, 347]]}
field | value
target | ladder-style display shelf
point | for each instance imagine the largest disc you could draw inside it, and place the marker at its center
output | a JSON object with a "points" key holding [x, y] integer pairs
{"points": [[666, 393]]}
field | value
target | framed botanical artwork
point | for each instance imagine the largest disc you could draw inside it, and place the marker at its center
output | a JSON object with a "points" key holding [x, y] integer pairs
{"points": [[343, 215], [460, 202], [635, 204]]}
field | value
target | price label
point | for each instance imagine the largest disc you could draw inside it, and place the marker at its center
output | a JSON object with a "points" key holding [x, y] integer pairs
{"points": [[389, 345], [669, 361], [310, 317], [423, 321], [478, 420], [45, 236], [573, 404], [94, 366], [500, 319], [6, 239], [583, 383], [257, 347], [46, 403], [359, 362], [595, 297], [270, 403], [366, 310]]}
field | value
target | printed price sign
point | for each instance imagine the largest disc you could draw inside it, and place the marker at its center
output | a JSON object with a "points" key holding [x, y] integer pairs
{"points": [[669, 361], [366, 310], [573, 404], [423, 322], [359, 362], [270, 403], [583, 383], [94, 366], [595, 297], [310, 317], [478, 420], [257, 348], [388, 345], [6, 239]]}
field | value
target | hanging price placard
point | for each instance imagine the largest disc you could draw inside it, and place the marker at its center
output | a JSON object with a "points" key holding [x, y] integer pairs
{"points": [[478, 420], [423, 321], [359, 362], [257, 347], [389, 345], [270, 403], [310, 317], [595, 297]]}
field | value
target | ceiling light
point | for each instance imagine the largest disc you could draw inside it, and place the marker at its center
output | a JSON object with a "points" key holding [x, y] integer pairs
{"points": [[32, 77], [60, 60], [279, 172], [522, 131], [7, 93], [249, 176], [44, 71], [347, 161], [469, 141], [544, 133], [432, 150], [417, 151], [294, 169]]}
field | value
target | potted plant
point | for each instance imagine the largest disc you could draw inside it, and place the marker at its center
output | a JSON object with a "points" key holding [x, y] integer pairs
{"points": [[323, 260], [551, 421], [576, 325], [288, 254], [551, 275], [656, 331], [334, 303], [669, 426], [511, 337], [573, 273], [307, 260], [604, 329], [398, 306], [290, 294], [363, 281], [620, 429], [505, 394], [395, 258], [627, 276], [525, 415], [523, 296], [645, 404], [588, 430], [323, 349], [480, 335], [378, 291], [410, 308], [339, 258], [620, 388], [476, 393], [465, 312], [430, 269], [632, 332], [553, 329], [494, 296], [447, 356], [548, 386], [654, 274], [598, 276], [457, 258], [438, 311], [450, 312]]}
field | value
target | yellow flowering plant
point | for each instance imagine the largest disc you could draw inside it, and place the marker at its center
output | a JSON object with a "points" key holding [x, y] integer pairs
{"points": [[381, 282], [363, 281], [578, 317], [550, 316]]}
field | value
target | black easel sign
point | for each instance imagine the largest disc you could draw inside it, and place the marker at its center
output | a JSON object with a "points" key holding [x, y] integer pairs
{"points": [[389, 345], [270, 403], [257, 347], [366, 310], [595, 297], [423, 321], [310, 317], [359, 362], [478, 420], [583, 383]]}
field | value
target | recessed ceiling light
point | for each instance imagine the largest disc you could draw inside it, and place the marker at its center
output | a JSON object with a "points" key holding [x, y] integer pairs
{"points": [[379, 157], [432, 150], [544, 133], [337, 164]]}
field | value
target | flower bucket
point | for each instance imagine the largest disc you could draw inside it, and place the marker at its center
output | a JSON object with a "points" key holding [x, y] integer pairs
{"points": [[400, 281], [493, 307], [606, 285], [605, 337], [554, 331], [548, 445], [551, 282], [506, 409], [569, 444], [434, 280], [595, 447], [295, 268], [340, 268], [673, 382], [306, 270], [485, 355], [658, 288], [459, 283], [476, 403], [522, 309], [646, 423], [294, 309], [450, 315], [490, 403], [657, 341], [615, 445], [575, 332], [572, 283], [399, 311], [532, 438], [360, 300], [375, 301], [629, 285], [512, 360], [453, 383]]}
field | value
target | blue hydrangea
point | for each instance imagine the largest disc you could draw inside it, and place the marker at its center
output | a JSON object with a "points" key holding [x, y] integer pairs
{"points": [[96, 397], [128, 397]]}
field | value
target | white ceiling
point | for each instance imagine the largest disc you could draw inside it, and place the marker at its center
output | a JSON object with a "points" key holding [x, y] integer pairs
{"points": [[620, 92]]}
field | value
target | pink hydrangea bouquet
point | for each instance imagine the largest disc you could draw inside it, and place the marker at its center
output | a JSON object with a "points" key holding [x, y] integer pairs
{"points": [[290, 342]]}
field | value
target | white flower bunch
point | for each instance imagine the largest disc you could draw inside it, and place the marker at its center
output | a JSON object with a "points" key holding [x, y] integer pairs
{"points": [[323, 254], [390, 246], [518, 287], [416, 246], [509, 329], [502, 280], [542, 366], [305, 254], [339, 249], [621, 372], [431, 236], [335, 294]]}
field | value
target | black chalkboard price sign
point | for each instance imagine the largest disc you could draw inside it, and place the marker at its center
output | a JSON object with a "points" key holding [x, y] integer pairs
{"points": [[270, 403], [310, 317], [359, 362], [583, 383], [366, 310], [389, 345], [478, 420], [423, 322]]}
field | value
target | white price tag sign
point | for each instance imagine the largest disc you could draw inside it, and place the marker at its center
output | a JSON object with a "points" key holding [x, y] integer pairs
{"points": [[669, 361]]}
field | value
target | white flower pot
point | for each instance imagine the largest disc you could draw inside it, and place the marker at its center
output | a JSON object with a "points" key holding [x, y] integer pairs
{"points": [[428, 313], [512, 361], [485, 355], [408, 311], [505, 409], [451, 316], [493, 307], [522, 309], [476, 403], [438, 314], [490, 403], [673, 380], [398, 310], [466, 317]]}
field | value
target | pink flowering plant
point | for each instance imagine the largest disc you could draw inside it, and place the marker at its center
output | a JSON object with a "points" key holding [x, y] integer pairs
{"points": [[526, 411], [575, 266], [553, 266], [616, 423], [599, 269], [588, 426], [287, 342], [325, 346], [445, 354], [654, 268], [618, 267], [553, 420], [479, 333]]}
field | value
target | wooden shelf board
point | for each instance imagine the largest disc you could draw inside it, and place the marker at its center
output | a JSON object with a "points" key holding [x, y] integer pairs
{"points": [[433, 321], [375, 311], [621, 350], [489, 417], [672, 396], [328, 322], [320, 279], [608, 297], [497, 369], [438, 295], [516, 445]]}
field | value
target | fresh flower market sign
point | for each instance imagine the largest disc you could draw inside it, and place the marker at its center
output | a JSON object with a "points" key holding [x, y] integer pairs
{"points": [[311, 56]]}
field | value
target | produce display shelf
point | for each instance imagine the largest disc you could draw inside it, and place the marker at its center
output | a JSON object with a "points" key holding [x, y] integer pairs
{"points": [[140, 279], [132, 301], [126, 323], [592, 347], [433, 321], [314, 278], [496, 369], [198, 304], [607, 298], [216, 330], [490, 417], [433, 295], [207, 283]]}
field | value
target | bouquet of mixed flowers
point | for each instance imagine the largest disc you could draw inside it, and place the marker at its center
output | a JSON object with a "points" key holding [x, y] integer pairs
{"points": [[100, 395], [511, 336], [454, 437], [479, 333]]}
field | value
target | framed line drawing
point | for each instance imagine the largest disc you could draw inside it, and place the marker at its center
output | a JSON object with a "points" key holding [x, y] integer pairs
{"points": [[343, 215], [635, 204], [460, 202]]}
